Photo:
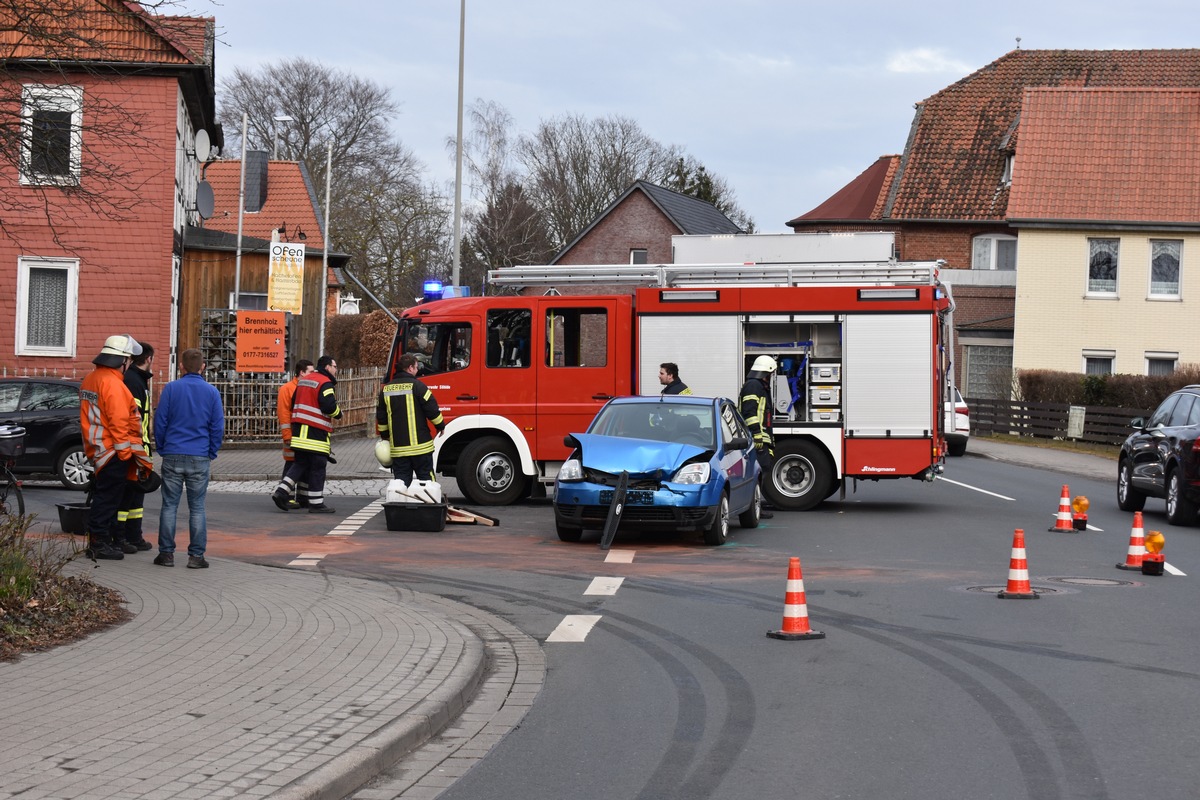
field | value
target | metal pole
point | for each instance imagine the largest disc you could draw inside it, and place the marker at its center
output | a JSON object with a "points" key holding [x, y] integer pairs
{"points": [[458, 150], [237, 270], [325, 249]]}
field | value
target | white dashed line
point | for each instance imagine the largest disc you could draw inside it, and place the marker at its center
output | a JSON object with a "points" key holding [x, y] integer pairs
{"points": [[620, 556], [304, 562], [976, 489], [573, 628], [604, 586], [1174, 570], [353, 523]]}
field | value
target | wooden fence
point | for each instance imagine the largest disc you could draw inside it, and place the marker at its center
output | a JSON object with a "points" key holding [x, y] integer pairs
{"points": [[1102, 424], [250, 405]]}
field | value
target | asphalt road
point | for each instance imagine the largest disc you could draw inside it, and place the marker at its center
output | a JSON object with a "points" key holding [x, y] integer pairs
{"points": [[926, 685]]}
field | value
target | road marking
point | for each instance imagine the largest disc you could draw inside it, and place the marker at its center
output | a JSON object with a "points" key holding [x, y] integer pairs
{"points": [[620, 556], [1174, 570], [303, 562], [604, 586], [353, 523], [976, 489], [573, 628]]}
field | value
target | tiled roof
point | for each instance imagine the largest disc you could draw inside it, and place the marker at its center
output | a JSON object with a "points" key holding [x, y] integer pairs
{"points": [[860, 199], [1112, 155], [953, 164], [690, 215], [290, 201], [118, 31]]}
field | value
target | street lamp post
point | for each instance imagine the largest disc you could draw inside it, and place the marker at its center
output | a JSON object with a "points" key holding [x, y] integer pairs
{"points": [[279, 118]]}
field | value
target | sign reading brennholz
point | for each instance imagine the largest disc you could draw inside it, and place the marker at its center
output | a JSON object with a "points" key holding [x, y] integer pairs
{"points": [[261, 338], [285, 284]]}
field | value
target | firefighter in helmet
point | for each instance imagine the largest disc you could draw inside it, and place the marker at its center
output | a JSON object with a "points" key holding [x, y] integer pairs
{"points": [[755, 402], [404, 411], [314, 408]]}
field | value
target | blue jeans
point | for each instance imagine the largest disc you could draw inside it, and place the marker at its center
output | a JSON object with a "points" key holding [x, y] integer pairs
{"points": [[178, 471]]}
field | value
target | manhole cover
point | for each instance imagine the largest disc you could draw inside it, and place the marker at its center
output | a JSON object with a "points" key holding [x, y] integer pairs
{"points": [[1002, 587], [1080, 581]]}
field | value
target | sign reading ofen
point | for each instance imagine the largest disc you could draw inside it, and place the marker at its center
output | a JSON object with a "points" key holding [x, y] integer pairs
{"points": [[285, 283], [260, 341]]}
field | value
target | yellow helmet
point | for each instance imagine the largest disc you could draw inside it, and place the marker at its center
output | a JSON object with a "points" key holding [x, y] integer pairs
{"points": [[383, 452]]}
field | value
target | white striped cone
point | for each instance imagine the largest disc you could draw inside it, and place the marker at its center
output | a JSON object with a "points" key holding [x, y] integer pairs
{"points": [[1063, 520], [795, 608], [1137, 545], [1018, 571]]}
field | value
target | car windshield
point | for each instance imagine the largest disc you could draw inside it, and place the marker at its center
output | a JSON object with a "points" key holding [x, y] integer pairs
{"points": [[660, 422]]}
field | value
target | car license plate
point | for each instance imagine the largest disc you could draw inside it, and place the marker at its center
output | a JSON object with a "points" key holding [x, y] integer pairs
{"points": [[637, 497]]}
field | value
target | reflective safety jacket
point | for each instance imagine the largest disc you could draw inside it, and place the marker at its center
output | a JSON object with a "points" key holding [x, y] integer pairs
{"points": [[138, 382], [110, 420], [314, 408], [676, 387], [402, 416], [756, 410], [283, 411]]}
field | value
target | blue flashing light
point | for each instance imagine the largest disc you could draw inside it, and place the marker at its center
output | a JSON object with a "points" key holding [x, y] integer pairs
{"points": [[432, 290]]}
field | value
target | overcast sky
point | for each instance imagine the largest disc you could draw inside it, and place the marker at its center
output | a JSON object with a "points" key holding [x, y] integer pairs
{"points": [[787, 100]]}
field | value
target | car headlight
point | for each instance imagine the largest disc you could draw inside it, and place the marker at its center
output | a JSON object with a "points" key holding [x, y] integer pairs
{"points": [[693, 473], [571, 470]]}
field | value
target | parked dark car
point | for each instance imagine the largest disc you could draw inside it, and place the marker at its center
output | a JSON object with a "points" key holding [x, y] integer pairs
{"points": [[48, 410], [1161, 458]]}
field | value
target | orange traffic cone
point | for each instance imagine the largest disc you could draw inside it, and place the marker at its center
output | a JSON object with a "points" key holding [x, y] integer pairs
{"points": [[1018, 571], [1063, 521], [795, 608], [1137, 545]]}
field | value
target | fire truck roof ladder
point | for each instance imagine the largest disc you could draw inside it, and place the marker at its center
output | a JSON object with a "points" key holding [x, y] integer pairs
{"points": [[883, 273]]}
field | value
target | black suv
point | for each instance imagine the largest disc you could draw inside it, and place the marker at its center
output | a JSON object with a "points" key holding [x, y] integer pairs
{"points": [[1162, 459], [48, 410]]}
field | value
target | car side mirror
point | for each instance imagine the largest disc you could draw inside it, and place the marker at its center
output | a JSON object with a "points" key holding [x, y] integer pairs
{"points": [[739, 443], [570, 441]]}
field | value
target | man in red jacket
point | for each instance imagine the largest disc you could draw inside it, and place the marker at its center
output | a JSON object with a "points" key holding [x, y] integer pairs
{"points": [[112, 439]]}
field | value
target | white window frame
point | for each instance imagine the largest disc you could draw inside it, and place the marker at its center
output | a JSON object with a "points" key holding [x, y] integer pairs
{"points": [[53, 98], [1096, 292], [1102, 355], [1177, 294], [1161, 355], [633, 251], [71, 266], [242, 301], [992, 240]]}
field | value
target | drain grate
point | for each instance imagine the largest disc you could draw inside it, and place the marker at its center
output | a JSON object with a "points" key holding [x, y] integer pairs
{"points": [[1085, 581]]}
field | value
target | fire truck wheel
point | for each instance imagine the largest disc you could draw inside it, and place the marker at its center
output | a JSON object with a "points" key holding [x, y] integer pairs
{"points": [[749, 518], [718, 532], [489, 472], [800, 477]]}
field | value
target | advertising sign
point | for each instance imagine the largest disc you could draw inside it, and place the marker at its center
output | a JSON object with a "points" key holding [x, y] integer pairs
{"points": [[261, 338], [285, 283]]}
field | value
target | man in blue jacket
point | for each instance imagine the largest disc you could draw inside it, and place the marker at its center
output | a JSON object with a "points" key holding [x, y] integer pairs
{"points": [[188, 429]]}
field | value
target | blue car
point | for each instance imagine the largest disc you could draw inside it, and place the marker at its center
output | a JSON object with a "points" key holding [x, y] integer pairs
{"points": [[691, 466]]}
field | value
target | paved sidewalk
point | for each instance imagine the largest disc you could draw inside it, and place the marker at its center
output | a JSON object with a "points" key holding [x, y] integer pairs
{"points": [[236, 681]]}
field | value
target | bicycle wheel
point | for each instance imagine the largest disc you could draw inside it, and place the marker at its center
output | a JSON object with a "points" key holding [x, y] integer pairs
{"points": [[12, 502]]}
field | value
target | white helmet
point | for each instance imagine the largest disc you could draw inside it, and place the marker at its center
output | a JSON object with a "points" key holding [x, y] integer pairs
{"points": [[123, 345], [383, 452], [764, 364]]}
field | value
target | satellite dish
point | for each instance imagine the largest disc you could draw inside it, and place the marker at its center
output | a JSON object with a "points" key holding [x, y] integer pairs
{"points": [[203, 147], [204, 199]]}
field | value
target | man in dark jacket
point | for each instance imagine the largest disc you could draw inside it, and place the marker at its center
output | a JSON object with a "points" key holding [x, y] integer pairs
{"points": [[314, 408], [755, 403], [128, 534], [668, 376], [403, 414]]}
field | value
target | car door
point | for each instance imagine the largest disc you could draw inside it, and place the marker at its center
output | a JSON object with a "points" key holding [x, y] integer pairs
{"points": [[736, 462], [1149, 449], [49, 413]]}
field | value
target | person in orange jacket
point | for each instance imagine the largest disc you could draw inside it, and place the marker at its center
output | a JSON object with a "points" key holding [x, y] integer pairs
{"points": [[112, 439], [283, 410]]}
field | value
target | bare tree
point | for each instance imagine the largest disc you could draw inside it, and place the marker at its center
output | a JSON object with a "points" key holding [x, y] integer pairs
{"points": [[382, 212], [80, 159]]}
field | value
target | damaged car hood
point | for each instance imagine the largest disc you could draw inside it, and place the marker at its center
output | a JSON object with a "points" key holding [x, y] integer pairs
{"points": [[638, 457]]}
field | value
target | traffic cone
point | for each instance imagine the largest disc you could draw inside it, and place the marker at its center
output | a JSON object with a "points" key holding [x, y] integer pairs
{"points": [[1063, 521], [795, 608], [1137, 545], [1018, 571]]}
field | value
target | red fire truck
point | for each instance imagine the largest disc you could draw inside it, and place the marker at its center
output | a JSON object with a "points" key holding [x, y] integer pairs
{"points": [[863, 351]]}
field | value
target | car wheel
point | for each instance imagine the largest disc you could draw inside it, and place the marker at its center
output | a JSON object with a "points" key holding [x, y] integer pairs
{"points": [[957, 448], [489, 472], [800, 477], [718, 532], [74, 468], [1128, 498], [750, 517], [567, 533], [1180, 510]]}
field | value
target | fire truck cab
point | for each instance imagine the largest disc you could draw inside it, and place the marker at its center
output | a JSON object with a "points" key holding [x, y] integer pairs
{"points": [[863, 349]]}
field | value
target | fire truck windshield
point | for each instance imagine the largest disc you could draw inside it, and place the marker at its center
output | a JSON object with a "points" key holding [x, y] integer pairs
{"points": [[439, 347]]}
